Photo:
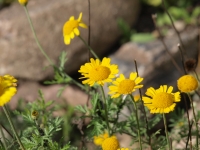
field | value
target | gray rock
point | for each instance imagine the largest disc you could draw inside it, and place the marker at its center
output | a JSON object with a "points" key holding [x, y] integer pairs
{"points": [[20, 55], [154, 64]]}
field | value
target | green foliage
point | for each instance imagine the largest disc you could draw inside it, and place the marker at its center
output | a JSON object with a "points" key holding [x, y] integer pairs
{"points": [[38, 131]]}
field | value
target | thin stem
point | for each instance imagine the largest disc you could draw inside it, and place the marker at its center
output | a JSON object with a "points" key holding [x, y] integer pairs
{"points": [[182, 58], [165, 46], [196, 122], [179, 37], [143, 109], [137, 120], [4, 139], [166, 132], [13, 128], [89, 54], [106, 110], [188, 119], [88, 46], [35, 36]]}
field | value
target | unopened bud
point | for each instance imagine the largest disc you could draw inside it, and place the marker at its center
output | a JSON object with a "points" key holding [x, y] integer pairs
{"points": [[23, 2]]}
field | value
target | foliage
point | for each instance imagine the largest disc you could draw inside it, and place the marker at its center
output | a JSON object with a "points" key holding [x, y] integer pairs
{"points": [[109, 116]]}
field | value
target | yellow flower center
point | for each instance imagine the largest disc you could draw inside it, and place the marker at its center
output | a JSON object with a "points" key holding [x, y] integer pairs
{"points": [[69, 26], [99, 73], [163, 100], [187, 83], [126, 86], [110, 143]]}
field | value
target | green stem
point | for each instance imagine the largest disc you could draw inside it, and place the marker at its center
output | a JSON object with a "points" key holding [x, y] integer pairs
{"points": [[196, 122], [35, 36], [106, 110], [13, 128], [4, 139], [41, 49], [90, 49], [166, 132], [138, 125]]}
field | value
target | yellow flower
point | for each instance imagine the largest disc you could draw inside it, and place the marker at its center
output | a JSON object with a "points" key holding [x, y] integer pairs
{"points": [[98, 72], [98, 140], [70, 28], [123, 86], [123, 149], [137, 97], [23, 2], [110, 143], [7, 88], [106, 142], [187, 83], [162, 100]]}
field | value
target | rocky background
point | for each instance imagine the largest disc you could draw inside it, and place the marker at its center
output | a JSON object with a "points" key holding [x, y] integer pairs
{"points": [[21, 57]]}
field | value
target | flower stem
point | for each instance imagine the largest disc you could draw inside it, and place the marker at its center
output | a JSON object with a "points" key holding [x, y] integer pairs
{"points": [[90, 49], [138, 125], [4, 139], [166, 132], [106, 110], [35, 36], [13, 128], [196, 122]]}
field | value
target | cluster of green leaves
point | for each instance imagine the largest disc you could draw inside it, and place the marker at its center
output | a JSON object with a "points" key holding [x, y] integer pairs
{"points": [[121, 122], [39, 129]]}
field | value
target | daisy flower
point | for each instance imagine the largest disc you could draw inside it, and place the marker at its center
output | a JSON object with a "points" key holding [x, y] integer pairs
{"points": [[187, 83], [70, 28], [98, 72], [106, 142], [7, 88], [124, 86], [161, 100]]}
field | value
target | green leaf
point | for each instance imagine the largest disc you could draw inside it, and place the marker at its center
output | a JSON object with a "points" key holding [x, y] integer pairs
{"points": [[142, 37]]}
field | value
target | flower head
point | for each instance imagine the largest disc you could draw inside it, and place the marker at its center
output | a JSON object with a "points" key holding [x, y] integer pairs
{"points": [[98, 72], [161, 100], [7, 88], [187, 83], [190, 64], [23, 2], [123, 86], [70, 28], [106, 142], [98, 140], [110, 143], [123, 149]]}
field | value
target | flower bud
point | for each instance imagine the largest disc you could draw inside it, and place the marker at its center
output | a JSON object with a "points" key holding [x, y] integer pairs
{"points": [[34, 115], [23, 2]]}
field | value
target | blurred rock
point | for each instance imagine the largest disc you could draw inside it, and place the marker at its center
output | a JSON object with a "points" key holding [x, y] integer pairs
{"points": [[154, 64], [20, 55], [28, 92]]}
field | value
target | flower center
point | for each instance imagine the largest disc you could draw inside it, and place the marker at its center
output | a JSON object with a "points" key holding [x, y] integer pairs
{"points": [[69, 26], [99, 73], [126, 86], [163, 100]]}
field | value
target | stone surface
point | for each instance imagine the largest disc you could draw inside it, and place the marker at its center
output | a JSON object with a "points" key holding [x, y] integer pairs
{"points": [[154, 64], [20, 55], [28, 92]]}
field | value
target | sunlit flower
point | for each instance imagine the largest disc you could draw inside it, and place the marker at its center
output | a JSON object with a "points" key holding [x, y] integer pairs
{"points": [[23, 2], [70, 28], [187, 83], [7, 88], [123, 86], [110, 143], [98, 72], [123, 149], [136, 97], [98, 140], [161, 100]]}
